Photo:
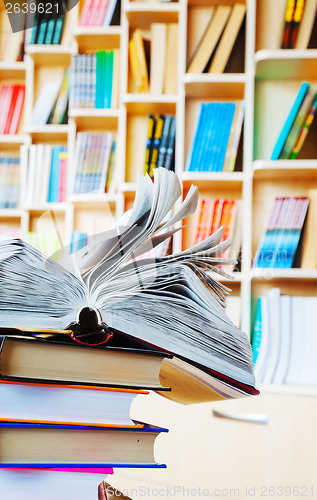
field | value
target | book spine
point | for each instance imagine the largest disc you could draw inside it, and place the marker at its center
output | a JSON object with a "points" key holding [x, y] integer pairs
{"points": [[156, 144], [298, 16], [11, 109], [85, 13], [149, 141], [303, 133], [170, 150], [289, 15]]}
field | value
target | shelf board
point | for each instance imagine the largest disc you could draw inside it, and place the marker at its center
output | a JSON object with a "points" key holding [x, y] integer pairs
{"points": [[97, 37], [281, 169], [12, 71], [91, 198], [102, 118], [7, 139], [150, 103], [46, 207], [51, 55], [291, 390], [286, 64], [141, 14], [219, 180], [216, 86], [43, 132], [11, 213], [128, 187], [283, 274]]}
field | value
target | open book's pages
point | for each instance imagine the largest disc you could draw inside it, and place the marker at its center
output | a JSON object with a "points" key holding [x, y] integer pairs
{"points": [[170, 303]]}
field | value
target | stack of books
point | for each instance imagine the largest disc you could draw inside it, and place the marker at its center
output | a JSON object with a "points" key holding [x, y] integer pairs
{"points": [[297, 124], [94, 161], [44, 173], [216, 138], [11, 103], [95, 80], [160, 144], [284, 341], [279, 246], [124, 327], [9, 181], [100, 13]]}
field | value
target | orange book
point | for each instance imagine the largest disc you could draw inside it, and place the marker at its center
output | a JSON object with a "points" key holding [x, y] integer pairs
{"points": [[216, 215]]}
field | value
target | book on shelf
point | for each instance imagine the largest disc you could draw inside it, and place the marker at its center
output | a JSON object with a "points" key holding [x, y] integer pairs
{"points": [[171, 66], [297, 123], [51, 484], [158, 57], [280, 245], [94, 80], [45, 25], [65, 403], [283, 339], [56, 445], [223, 213], [11, 102], [309, 254], [150, 292], [91, 162], [139, 61], [215, 141], [307, 25], [9, 181], [44, 173], [218, 39], [51, 105], [160, 143], [100, 13]]}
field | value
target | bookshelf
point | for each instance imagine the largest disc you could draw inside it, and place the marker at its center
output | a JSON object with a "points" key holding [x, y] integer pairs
{"points": [[265, 76]]}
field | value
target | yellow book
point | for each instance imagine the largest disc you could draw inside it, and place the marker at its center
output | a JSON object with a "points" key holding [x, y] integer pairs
{"points": [[170, 79], [309, 255], [140, 73]]}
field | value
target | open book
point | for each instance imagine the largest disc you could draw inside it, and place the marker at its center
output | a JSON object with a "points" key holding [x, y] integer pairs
{"points": [[172, 303]]}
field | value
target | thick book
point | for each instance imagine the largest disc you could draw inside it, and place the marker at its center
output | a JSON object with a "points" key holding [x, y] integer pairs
{"points": [[41, 361], [40, 444], [62, 403], [172, 303]]}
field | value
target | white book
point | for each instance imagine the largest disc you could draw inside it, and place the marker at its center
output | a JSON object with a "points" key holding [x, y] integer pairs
{"points": [[45, 103], [31, 175], [275, 334], [49, 485], [296, 350], [39, 157], [285, 330]]}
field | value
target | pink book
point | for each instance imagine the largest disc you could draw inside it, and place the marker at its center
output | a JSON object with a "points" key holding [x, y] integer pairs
{"points": [[62, 177], [15, 121], [6, 103], [86, 13], [98, 12]]}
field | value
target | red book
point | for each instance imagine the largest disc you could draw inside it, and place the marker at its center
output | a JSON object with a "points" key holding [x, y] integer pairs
{"points": [[216, 215], [17, 112], [5, 109]]}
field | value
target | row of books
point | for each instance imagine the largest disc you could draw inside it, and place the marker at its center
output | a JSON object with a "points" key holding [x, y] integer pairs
{"points": [[284, 339], [297, 124], [44, 22], [100, 13], [95, 80], [216, 137], [225, 213], [299, 19], [51, 106], [9, 181], [160, 144], [153, 61], [217, 41], [280, 242], [44, 173], [94, 160], [11, 105]]}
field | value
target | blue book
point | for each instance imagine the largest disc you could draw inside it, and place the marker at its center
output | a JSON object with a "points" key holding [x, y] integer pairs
{"points": [[43, 444], [207, 145], [289, 121], [190, 165], [224, 128], [54, 175]]}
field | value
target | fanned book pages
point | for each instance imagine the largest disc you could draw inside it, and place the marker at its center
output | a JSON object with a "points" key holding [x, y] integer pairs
{"points": [[172, 303]]}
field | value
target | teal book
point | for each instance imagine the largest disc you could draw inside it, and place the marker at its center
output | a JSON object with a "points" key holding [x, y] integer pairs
{"points": [[195, 138], [289, 121], [257, 330]]}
